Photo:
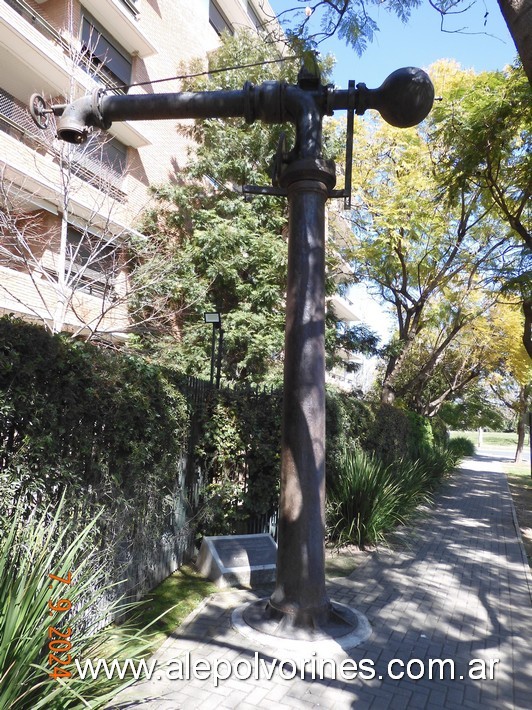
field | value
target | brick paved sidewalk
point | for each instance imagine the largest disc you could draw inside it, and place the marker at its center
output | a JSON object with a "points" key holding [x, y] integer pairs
{"points": [[458, 588]]}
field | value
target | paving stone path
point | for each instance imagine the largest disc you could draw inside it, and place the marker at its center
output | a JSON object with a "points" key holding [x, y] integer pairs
{"points": [[457, 589]]}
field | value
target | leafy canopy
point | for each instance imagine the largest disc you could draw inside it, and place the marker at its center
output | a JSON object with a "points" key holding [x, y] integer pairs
{"points": [[218, 252]]}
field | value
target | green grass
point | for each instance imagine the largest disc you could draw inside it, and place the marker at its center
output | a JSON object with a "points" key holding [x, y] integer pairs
{"points": [[521, 473], [490, 438], [163, 609]]}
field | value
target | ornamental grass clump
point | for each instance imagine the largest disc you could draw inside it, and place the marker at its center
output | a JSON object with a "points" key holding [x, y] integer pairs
{"points": [[32, 603], [367, 499]]}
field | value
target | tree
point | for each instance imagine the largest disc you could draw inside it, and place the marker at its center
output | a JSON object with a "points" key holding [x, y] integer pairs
{"points": [[482, 135], [352, 21], [432, 262], [66, 267], [474, 354], [220, 252], [476, 408], [512, 382], [46, 267], [518, 17]]}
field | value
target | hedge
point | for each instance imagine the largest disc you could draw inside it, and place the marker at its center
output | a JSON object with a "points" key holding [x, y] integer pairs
{"points": [[133, 439], [107, 428]]}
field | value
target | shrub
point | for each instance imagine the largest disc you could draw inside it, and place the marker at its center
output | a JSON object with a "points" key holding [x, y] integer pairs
{"points": [[348, 420], [368, 498], [437, 463], [399, 434], [239, 451], [440, 431], [461, 446], [111, 430], [420, 436], [34, 548]]}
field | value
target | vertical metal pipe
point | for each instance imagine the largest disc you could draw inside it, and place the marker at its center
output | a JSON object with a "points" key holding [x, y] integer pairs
{"points": [[300, 594], [213, 345], [219, 358]]}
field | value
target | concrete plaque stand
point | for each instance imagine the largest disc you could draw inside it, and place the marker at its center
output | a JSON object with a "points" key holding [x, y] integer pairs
{"points": [[238, 560]]}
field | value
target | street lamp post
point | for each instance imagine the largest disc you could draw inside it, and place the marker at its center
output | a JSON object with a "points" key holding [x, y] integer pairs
{"points": [[216, 319], [300, 599]]}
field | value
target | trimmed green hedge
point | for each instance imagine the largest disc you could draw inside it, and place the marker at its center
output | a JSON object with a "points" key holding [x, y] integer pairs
{"points": [[134, 439], [399, 434], [348, 422], [108, 429]]}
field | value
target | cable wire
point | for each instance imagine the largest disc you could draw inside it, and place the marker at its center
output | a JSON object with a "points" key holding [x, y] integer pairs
{"points": [[208, 72]]}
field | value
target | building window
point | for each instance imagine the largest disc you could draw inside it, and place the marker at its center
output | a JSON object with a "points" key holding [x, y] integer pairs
{"points": [[103, 164], [218, 19], [254, 17], [114, 156], [104, 53], [91, 264], [132, 6]]}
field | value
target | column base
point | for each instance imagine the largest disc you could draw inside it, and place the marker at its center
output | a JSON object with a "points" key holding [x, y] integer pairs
{"points": [[336, 622]]}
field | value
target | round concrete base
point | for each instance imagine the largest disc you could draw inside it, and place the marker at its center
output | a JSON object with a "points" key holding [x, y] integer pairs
{"points": [[344, 628]]}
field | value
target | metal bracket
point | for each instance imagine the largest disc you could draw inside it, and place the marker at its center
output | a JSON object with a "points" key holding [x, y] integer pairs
{"points": [[252, 190], [279, 159], [351, 105]]}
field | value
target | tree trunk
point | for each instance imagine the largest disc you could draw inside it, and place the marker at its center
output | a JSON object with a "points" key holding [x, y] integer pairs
{"points": [[527, 334], [524, 396], [518, 16], [387, 394], [59, 316], [521, 431]]}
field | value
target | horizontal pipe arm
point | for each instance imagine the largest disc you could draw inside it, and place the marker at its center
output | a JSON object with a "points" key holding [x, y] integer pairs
{"points": [[404, 99], [201, 104]]}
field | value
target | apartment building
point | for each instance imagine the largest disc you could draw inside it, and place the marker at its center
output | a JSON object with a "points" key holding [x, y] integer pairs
{"points": [[65, 210]]}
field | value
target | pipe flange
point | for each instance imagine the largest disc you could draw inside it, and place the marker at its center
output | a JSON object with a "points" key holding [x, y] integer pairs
{"points": [[249, 99], [329, 98], [269, 104], [96, 110], [314, 169]]}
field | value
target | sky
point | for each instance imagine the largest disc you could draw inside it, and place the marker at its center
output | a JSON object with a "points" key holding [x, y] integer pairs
{"points": [[475, 41], [483, 44]]}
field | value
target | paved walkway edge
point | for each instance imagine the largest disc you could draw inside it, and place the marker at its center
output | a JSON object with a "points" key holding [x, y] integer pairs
{"points": [[528, 571]]}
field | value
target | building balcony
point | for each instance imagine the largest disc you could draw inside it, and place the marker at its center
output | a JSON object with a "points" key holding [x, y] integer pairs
{"points": [[41, 60], [91, 166], [35, 297], [344, 309], [120, 18]]}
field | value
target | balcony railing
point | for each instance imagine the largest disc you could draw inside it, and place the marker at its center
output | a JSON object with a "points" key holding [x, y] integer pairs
{"points": [[89, 165], [33, 17], [49, 31]]}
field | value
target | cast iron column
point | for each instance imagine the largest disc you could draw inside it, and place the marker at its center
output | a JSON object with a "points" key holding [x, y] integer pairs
{"points": [[300, 596], [404, 99]]}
